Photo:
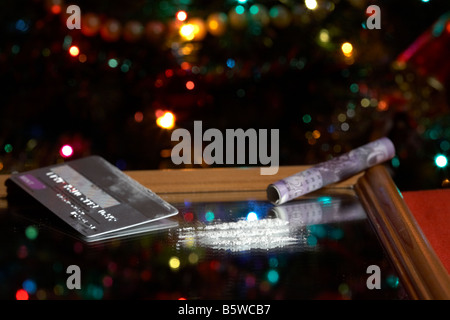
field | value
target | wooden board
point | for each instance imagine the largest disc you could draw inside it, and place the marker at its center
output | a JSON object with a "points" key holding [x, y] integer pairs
{"points": [[229, 181]]}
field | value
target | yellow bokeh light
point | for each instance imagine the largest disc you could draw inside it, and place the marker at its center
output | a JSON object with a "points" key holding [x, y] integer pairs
{"points": [[174, 263], [187, 31], [324, 36], [166, 121], [213, 25], [365, 102], [194, 29], [347, 49], [216, 23], [193, 258], [311, 4], [74, 51]]}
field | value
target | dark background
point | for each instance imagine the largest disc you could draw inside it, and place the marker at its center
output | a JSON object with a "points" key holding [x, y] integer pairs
{"points": [[260, 76]]}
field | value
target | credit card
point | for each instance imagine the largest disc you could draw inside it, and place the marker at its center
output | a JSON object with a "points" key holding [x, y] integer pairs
{"points": [[96, 198]]}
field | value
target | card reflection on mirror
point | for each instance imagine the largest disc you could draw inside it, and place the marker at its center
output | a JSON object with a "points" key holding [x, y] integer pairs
{"points": [[284, 226]]}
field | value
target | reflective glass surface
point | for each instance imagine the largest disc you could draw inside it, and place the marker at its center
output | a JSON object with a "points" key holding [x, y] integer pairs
{"points": [[319, 247]]}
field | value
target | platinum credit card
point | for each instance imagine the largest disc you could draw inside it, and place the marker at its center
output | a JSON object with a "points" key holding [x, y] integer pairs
{"points": [[96, 199]]}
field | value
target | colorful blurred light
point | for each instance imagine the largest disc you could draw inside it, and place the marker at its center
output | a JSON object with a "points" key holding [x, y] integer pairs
{"points": [[29, 286], [190, 85], [382, 105], [185, 65], [216, 23], [21, 294], [392, 281], [231, 63], [188, 216], [21, 25], [306, 118], [273, 276], [209, 216], [193, 258], [395, 162], [113, 63], [67, 42], [347, 49], [174, 263], [239, 9], [31, 232], [252, 216], [187, 31], [445, 145], [82, 58], [311, 4], [66, 151], [138, 116], [441, 161], [74, 51], [55, 9], [324, 35], [166, 120], [168, 73], [181, 15]]}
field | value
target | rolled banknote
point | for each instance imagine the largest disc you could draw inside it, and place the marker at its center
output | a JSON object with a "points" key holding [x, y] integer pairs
{"points": [[332, 171], [320, 210]]}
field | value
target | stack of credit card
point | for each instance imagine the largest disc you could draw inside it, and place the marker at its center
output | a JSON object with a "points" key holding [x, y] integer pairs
{"points": [[96, 199]]}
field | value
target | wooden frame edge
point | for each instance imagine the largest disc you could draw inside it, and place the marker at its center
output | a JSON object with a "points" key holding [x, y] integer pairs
{"points": [[421, 272]]}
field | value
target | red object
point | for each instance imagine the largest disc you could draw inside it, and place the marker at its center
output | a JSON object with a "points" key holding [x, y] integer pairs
{"points": [[428, 54], [21, 294], [431, 209]]}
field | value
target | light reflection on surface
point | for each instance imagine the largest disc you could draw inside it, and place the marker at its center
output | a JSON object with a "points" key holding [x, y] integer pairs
{"points": [[312, 248], [241, 235], [279, 226]]}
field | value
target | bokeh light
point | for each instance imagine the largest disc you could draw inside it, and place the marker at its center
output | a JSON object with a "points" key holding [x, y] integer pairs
{"points": [[66, 151], [193, 258], [8, 148], [347, 49], [113, 63], [166, 120], [188, 216], [441, 161], [231, 63], [181, 15], [29, 286], [55, 9], [324, 35], [21, 294], [82, 58], [273, 276], [74, 51], [187, 31], [31, 232], [311, 4], [174, 263], [252, 216], [138, 116], [209, 216], [306, 118], [190, 85], [239, 9]]}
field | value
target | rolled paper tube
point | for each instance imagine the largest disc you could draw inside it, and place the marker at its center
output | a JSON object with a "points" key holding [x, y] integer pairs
{"points": [[332, 171]]}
